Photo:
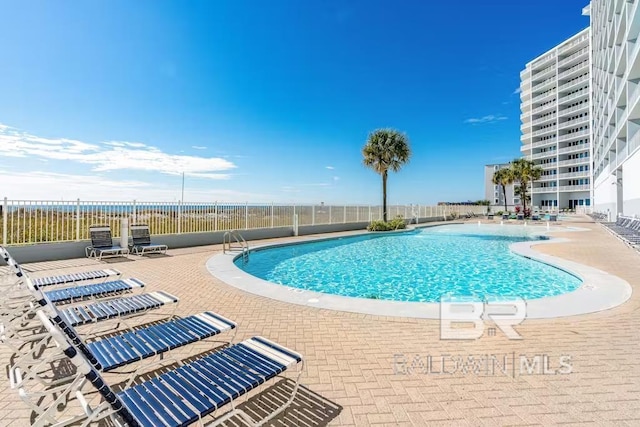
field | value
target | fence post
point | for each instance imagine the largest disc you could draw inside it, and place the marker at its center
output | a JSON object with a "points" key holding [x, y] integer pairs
{"points": [[134, 214], [293, 218], [271, 214], [313, 215], [179, 216], [215, 216], [369, 213], [405, 211], [246, 215], [330, 214], [78, 220], [5, 221], [357, 213], [345, 214]]}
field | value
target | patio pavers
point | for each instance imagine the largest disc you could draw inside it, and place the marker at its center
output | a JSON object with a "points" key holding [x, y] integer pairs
{"points": [[354, 374]]}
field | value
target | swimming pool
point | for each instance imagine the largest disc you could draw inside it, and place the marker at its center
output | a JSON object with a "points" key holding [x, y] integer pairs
{"points": [[416, 266]]}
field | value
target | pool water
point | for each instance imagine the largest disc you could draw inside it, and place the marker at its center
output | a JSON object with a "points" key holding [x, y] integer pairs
{"points": [[458, 260]]}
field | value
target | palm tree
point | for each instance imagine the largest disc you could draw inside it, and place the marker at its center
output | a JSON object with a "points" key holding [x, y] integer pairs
{"points": [[503, 177], [386, 149], [525, 171]]}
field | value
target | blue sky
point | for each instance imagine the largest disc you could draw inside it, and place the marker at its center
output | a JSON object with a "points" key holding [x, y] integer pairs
{"points": [[263, 101]]}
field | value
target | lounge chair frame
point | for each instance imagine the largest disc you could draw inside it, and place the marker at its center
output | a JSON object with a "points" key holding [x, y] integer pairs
{"points": [[141, 241], [102, 244]]}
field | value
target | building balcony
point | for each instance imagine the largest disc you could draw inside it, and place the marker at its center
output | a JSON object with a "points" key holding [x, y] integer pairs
{"points": [[574, 57], [585, 187], [571, 162], [583, 39], [574, 149], [545, 143], [574, 135], [548, 107], [548, 178], [573, 83], [544, 120], [574, 71], [580, 174], [546, 73], [546, 154], [574, 122], [576, 95], [545, 131], [575, 108], [538, 190], [546, 96]]}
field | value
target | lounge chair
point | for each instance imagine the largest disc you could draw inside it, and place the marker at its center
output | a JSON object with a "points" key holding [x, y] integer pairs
{"points": [[489, 216], [65, 278], [102, 244], [141, 241], [184, 395], [520, 217], [535, 217], [505, 216]]}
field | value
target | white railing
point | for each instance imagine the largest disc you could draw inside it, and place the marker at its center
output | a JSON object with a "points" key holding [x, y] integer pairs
{"points": [[573, 69], [544, 131], [544, 107], [573, 43], [574, 149], [582, 106], [578, 161], [579, 120], [573, 56], [544, 189], [573, 135], [38, 221], [579, 174], [574, 187], [551, 153], [544, 119]]}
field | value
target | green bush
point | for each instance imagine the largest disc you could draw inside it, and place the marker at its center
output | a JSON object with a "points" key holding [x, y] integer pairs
{"points": [[395, 224]]}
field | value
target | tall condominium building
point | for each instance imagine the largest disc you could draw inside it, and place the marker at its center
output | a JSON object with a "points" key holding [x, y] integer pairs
{"points": [[556, 124], [493, 192], [615, 41]]}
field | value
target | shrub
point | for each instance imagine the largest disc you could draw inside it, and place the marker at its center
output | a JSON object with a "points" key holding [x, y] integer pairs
{"points": [[397, 223], [378, 226], [499, 213]]}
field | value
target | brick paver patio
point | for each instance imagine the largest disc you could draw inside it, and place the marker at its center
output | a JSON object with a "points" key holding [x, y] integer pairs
{"points": [[354, 372]]}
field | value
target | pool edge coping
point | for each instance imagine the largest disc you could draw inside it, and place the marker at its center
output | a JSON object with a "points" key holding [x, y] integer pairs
{"points": [[599, 291]]}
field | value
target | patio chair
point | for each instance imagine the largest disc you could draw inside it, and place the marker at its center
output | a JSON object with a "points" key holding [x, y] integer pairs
{"points": [[505, 216], [520, 217], [65, 278], [129, 346], [184, 395], [102, 244], [141, 241]]}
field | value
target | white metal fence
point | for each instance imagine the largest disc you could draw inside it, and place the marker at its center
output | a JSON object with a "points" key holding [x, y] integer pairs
{"points": [[39, 221]]}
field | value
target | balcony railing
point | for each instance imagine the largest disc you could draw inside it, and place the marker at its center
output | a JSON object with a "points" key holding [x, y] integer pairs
{"points": [[580, 174], [544, 189], [34, 221], [543, 119], [584, 187], [573, 135], [574, 149], [570, 110], [573, 56], [582, 160], [574, 122], [573, 69], [553, 153], [544, 131], [551, 105], [573, 82], [577, 94], [568, 46]]}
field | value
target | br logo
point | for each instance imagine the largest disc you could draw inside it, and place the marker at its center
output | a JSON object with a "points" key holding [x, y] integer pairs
{"points": [[464, 318]]}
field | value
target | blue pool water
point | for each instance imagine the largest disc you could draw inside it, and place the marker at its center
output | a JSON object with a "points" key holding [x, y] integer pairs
{"points": [[462, 260]]}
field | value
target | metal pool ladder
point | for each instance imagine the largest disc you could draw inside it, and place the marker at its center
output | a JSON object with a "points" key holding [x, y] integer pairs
{"points": [[240, 244]]}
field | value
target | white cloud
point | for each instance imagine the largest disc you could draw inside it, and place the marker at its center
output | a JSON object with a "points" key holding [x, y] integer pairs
{"points": [[198, 147], [40, 185], [336, 178], [329, 167], [486, 119], [110, 155], [517, 91]]}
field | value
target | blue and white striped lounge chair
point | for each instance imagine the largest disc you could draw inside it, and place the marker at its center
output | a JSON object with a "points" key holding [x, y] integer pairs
{"points": [[95, 290], [183, 396], [130, 346], [141, 241], [65, 278], [102, 243]]}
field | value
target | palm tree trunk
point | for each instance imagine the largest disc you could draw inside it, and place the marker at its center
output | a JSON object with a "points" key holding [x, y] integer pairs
{"points": [[504, 193], [384, 196], [524, 196]]}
